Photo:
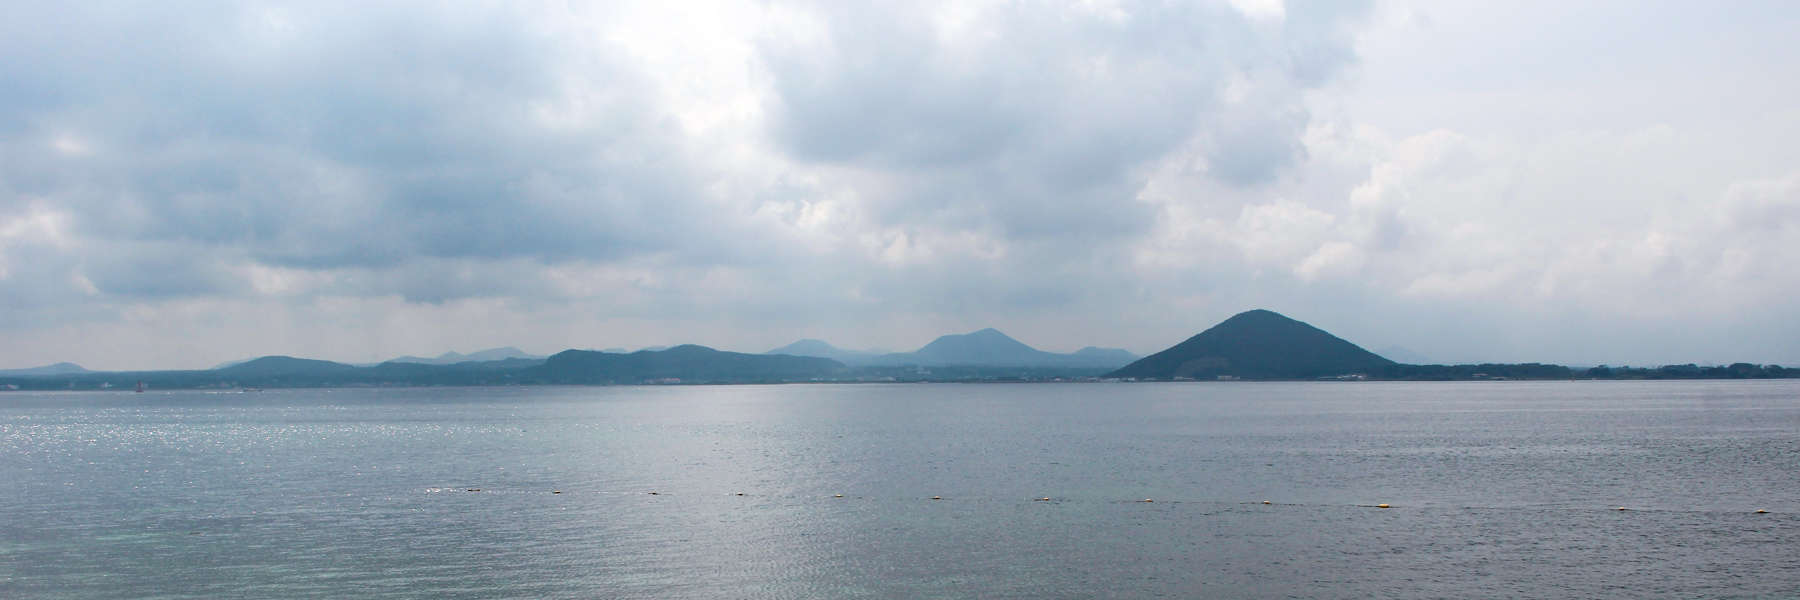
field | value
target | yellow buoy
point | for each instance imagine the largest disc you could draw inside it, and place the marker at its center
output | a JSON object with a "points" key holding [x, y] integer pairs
{"points": [[1381, 506]]}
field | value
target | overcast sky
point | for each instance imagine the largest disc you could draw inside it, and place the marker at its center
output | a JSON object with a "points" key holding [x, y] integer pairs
{"points": [[1580, 182]]}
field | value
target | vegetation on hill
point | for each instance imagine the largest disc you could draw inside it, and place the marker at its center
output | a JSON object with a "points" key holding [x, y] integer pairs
{"points": [[1692, 371], [283, 365], [681, 364], [991, 348], [1257, 344]]}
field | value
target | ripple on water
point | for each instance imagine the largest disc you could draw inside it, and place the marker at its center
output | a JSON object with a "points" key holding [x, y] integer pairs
{"points": [[1496, 490]]}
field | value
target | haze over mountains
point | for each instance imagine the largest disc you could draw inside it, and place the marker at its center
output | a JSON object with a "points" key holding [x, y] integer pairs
{"points": [[822, 349], [981, 355], [985, 348], [451, 358], [1401, 354], [447, 358], [1255, 345], [61, 368]]}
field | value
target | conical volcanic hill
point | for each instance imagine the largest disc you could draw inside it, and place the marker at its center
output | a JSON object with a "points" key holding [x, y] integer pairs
{"points": [[1258, 344]]}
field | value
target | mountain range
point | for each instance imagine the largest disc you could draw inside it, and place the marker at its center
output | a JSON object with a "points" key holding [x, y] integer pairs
{"points": [[1257, 344], [451, 358]]}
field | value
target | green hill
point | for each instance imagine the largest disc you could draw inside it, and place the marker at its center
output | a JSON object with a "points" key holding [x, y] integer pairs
{"points": [[687, 363], [991, 348], [985, 347], [1258, 344], [284, 365]]}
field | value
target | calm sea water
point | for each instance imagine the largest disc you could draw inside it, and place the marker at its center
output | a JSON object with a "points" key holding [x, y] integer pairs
{"points": [[1497, 490]]}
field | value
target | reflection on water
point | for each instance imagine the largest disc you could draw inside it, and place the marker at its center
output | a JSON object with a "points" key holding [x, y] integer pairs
{"points": [[1496, 488]]}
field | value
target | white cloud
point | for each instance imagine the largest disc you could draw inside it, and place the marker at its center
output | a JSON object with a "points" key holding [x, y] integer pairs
{"points": [[1110, 172], [1261, 10]]}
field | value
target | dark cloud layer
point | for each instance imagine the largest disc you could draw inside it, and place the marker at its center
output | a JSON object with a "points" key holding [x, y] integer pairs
{"points": [[346, 136]]}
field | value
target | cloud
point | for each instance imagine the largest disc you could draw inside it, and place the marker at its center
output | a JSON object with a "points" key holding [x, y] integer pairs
{"points": [[1027, 121], [1607, 225], [1112, 173], [333, 136]]}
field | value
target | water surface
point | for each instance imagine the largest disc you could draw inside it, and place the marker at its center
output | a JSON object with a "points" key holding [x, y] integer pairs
{"points": [[1497, 490]]}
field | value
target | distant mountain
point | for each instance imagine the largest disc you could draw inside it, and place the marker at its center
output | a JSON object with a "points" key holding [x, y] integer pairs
{"points": [[1254, 345], [504, 363], [451, 358], [980, 348], [284, 365], [991, 348], [1106, 356], [684, 364], [985, 347], [820, 349], [61, 368], [1258, 344]]}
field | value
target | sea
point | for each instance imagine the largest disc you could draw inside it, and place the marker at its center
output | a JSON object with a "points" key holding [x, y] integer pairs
{"points": [[1566, 489]]}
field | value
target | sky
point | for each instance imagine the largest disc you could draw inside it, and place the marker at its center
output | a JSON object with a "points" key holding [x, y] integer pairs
{"points": [[188, 183]]}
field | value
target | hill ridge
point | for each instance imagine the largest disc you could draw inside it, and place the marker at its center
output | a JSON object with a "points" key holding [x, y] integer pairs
{"points": [[686, 363], [1257, 344]]}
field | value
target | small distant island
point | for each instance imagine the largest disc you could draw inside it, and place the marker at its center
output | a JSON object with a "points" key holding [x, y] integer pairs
{"points": [[1256, 345]]}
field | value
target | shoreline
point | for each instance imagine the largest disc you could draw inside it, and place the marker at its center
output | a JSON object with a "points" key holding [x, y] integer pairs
{"points": [[128, 389]]}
